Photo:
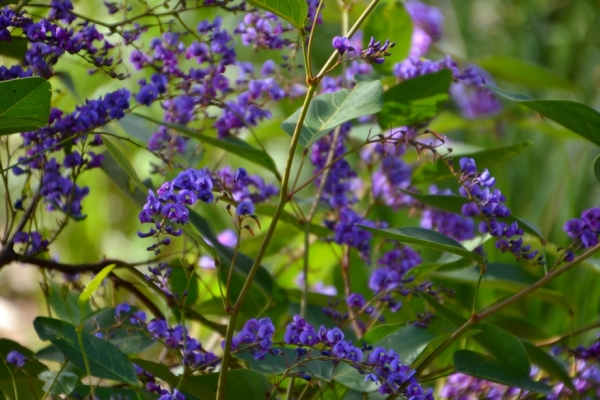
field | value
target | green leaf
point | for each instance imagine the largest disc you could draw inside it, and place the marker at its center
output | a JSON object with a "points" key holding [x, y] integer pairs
{"points": [[128, 337], [295, 11], [278, 364], [232, 144], [427, 238], [24, 104], [94, 284], [181, 283], [121, 179], [523, 73], [578, 117], [122, 160], [430, 172], [408, 342], [329, 110], [454, 204], [390, 20], [350, 377], [63, 384], [64, 303], [474, 364], [15, 48], [29, 387], [415, 100], [104, 359], [103, 392], [549, 364], [597, 168]]}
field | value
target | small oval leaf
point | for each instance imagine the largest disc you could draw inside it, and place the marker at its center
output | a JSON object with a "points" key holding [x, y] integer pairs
{"points": [[24, 104]]}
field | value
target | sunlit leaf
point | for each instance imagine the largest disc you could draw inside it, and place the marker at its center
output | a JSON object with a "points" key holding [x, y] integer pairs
{"points": [[24, 104], [327, 111], [55, 383], [94, 284]]}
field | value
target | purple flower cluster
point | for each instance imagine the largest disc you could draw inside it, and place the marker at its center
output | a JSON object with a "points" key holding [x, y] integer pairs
{"points": [[428, 23], [376, 52], [449, 224], [50, 41], [172, 199], [160, 275], [243, 186], [257, 337], [153, 386], [460, 386], [487, 202], [392, 277], [584, 231], [262, 31], [33, 242], [177, 338], [346, 231]]}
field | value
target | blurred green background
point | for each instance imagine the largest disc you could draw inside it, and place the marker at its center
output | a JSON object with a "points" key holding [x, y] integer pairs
{"points": [[548, 183]]}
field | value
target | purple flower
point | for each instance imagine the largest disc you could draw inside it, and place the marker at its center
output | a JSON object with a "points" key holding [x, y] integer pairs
{"points": [[341, 44], [15, 358], [244, 208]]}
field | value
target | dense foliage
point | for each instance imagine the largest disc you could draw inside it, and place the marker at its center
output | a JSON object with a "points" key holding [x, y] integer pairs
{"points": [[291, 199]]}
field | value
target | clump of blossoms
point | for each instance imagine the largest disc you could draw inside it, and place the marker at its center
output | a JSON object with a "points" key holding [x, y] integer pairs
{"points": [[487, 202], [584, 231], [449, 224]]}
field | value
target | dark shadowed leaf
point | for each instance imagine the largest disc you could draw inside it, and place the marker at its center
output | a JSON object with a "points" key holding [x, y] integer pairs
{"points": [[15, 48], [474, 364], [390, 20], [415, 100], [549, 364], [231, 144], [578, 117], [523, 73], [29, 387], [104, 359], [104, 392], [327, 111], [24, 104], [431, 172], [426, 238], [294, 11]]}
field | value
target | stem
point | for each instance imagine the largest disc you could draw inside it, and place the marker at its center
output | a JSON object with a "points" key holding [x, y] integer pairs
{"points": [[309, 76], [47, 392], [283, 199], [482, 269], [553, 341]]}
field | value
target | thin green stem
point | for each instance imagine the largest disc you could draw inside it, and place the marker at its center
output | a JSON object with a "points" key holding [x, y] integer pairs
{"points": [[47, 392], [309, 75], [482, 269]]}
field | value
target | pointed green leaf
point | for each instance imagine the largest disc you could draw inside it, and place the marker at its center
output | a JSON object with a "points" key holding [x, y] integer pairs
{"points": [[454, 204], [327, 111], [104, 359], [578, 117], [295, 11], [232, 145], [390, 20], [408, 342], [122, 160], [523, 73], [24, 104], [551, 365], [427, 238], [415, 100], [94, 284], [430, 172], [61, 384], [474, 364]]}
